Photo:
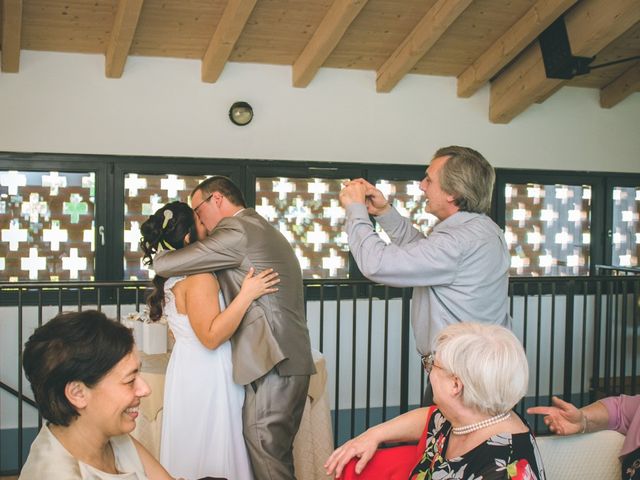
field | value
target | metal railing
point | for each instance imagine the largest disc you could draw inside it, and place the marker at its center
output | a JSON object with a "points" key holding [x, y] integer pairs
{"points": [[580, 335]]}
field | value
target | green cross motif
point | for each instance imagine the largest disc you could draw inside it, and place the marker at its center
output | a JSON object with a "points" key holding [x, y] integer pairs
{"points": [[75, 208]]}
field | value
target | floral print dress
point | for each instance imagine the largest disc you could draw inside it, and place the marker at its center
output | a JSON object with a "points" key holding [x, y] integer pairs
{"points": [[503, 456]]}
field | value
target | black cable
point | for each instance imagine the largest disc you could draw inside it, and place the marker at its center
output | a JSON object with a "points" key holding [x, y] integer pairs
{"points": [[592, 67]]}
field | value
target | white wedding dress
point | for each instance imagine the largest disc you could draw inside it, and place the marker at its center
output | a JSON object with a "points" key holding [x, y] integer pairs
{"points": [[202, 417]]}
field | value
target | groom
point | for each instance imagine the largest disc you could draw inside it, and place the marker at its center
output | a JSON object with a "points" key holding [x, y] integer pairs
{"points": [[271, 348]]}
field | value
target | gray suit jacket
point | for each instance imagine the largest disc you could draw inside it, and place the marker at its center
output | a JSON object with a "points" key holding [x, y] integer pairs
{"points": [[274, 330]]}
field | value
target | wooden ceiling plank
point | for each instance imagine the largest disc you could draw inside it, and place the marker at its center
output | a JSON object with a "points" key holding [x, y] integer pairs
{"points": [[325, 39], [509, 45], [591, 26], [11, 34], [621, 87], [122, 33], [426, 33], [233, 20]]}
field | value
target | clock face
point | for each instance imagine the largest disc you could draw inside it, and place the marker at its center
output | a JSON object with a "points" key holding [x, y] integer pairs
{"points": [[241, 113]]}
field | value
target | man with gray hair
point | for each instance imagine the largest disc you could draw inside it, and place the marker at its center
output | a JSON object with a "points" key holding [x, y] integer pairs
{"points": [[459, 271]]}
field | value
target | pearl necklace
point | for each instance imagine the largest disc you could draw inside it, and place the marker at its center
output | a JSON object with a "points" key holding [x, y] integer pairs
{"points": [[480, 425]]}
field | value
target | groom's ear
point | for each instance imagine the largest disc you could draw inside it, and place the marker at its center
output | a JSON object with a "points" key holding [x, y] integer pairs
{"points": [[217, 197]]}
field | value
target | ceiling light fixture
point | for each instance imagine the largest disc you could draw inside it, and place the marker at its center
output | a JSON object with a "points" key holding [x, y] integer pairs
{"points": [[241, 113]]}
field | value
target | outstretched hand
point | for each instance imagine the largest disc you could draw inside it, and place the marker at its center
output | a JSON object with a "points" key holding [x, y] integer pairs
{"points": [[362, 447], [562, 418], [254, 286]]}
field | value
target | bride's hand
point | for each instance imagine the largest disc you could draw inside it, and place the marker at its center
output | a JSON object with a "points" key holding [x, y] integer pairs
{"points": [[254, 286]]}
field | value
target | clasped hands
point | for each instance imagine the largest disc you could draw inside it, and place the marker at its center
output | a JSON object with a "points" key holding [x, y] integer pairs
{"points": [[361, 191]]}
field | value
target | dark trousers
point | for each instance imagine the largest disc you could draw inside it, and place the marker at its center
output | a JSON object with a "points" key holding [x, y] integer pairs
{"points": [[272, 412]]}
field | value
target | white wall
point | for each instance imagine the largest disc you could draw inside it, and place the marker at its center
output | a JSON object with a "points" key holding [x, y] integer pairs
{"points": [[63, 103]]}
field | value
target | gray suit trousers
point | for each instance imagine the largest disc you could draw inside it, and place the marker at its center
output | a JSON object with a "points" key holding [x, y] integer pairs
{"points": [[272, 412]]}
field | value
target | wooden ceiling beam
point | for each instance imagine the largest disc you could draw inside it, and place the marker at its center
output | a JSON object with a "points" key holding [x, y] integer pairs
{"points": [[591, 26], [510, 44], [234, 18], [324, 40], [11, 34], [122, 33], [426, 33], [621, 87]]}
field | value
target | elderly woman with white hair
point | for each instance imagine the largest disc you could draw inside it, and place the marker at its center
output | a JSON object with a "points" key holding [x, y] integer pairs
{"points": [[479, 373]]}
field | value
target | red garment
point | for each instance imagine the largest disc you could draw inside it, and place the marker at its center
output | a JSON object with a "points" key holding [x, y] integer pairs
{"points": [[395, 463]]}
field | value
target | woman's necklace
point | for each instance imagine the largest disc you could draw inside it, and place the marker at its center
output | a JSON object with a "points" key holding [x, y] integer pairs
{"points": [[480, 425]]}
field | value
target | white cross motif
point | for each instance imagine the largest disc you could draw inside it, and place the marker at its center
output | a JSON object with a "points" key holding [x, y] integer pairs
{"points": [[12, 179], [155, 203], [14, 235], [318, 187], [55, 235], [133, 184], [563, 238], [34, 208], [267, 211], [334, 212], [317, 237], [73, 263], [305, 263], [284, 230], [333, 262], [54, 182], [298, 212], [172, 185], [386, 188], [132, 236], [33, 263], [283, 187]]}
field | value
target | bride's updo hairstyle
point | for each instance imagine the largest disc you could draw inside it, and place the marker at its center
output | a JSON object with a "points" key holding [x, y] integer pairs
{"points": [[166, 229]]}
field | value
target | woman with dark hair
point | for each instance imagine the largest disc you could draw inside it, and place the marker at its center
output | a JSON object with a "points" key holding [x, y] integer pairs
{"points": [[84, 373], [202, 417]]}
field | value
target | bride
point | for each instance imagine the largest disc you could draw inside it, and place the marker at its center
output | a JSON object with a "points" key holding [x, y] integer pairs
{"points": [[202, 417]]}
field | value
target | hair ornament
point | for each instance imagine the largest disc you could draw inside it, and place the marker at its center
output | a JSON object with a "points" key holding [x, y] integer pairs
{"points": [[168, 215]]}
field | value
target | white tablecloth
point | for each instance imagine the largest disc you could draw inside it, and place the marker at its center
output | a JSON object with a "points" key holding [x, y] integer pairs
{"points": [[313, 443]]}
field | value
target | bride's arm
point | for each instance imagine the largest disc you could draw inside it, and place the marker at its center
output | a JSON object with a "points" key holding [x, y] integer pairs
{"points": [[211, 326]]}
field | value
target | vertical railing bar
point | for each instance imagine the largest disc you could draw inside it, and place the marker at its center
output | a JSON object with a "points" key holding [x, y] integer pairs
{"points": [[337, 380], [597, 335], [79, 290], [552, 343], [118, 304], [568, 339], [353, 360], [20, 386], [623, 338], [369, 341], [634, 336], [99, 300], [322, 317], [385, 360], [404, 350], [614, 336], [583, 346], [60, 300], [538, 348], [607, 340], [39, 325]]}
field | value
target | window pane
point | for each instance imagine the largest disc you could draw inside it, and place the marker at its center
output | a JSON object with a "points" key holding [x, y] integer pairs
{"points": [[408, 199], [47, 231], [547, 228], [625, 245], [144, 194], [308, 213]]}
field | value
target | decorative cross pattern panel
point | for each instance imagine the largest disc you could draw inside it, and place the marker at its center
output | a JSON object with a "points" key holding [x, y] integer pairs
{"points": [[547, 229], [144, 194], [47, 226], [409, 200], [625, 241], [308, 213]]}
